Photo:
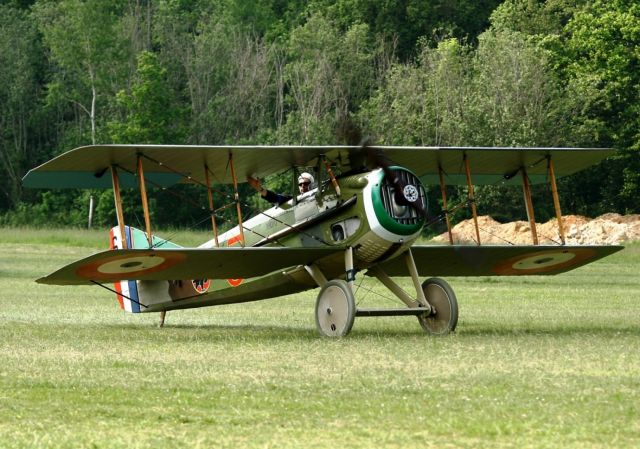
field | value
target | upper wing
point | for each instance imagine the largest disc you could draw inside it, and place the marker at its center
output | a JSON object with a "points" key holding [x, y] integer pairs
{"points": [[489, 260], [169, 264], [88, 167], [493, 165]]}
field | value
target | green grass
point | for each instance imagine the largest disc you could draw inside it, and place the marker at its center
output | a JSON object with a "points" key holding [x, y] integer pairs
{"points": [[536, 362]]}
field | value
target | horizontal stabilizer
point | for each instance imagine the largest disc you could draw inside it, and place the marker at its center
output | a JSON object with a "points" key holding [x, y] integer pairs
{"points": [[490, 260], [176, 264]]}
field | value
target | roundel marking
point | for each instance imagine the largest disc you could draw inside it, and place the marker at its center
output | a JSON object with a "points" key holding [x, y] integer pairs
{"points": [[543, 261], [130, 264], [113, 268], [411, 193], [201, 285], [234, 241], [235, 282]]}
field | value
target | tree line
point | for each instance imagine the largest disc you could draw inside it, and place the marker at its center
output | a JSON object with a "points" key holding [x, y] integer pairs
{"points": [[406, 72]]}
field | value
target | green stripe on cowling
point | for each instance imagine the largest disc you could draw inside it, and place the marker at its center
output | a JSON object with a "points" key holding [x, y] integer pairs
{"points": [[383, 216]]}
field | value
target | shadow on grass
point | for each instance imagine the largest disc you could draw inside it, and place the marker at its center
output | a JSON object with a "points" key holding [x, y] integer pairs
{"points": [[245, 332], [542, 331], [259, 332], [265, 332]]}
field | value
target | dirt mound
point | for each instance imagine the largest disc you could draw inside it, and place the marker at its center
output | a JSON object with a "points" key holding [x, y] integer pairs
{"points": [[606, 229]]}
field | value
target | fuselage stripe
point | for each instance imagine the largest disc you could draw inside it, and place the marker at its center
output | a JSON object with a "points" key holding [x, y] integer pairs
{"points": [[133, 286]]}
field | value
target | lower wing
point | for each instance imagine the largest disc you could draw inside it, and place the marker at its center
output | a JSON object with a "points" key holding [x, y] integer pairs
{"points": [[225, 263], [168, 264], [489, 260]]}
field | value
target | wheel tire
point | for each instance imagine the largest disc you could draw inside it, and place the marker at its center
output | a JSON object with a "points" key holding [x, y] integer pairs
{"points": [[442, 300], [335, 309]]}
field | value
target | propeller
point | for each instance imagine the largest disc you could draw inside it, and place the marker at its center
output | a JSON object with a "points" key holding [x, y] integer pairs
{"points": [[403, 194]]}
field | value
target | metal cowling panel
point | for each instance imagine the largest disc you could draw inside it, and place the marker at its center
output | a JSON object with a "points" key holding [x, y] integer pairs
{"points": [[398, 219]]}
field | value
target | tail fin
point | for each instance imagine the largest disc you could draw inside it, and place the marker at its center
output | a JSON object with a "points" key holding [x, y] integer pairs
{"points": [[127, 292]]}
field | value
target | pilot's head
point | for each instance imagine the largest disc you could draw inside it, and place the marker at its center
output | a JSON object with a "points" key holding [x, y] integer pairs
{"points": [[304, 182]]}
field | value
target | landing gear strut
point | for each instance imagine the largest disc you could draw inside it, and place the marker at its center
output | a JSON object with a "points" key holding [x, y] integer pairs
{"points": [[435, 304]]}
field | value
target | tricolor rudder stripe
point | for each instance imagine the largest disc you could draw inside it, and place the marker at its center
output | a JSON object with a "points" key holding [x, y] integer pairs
{"points": [[127, 291]]}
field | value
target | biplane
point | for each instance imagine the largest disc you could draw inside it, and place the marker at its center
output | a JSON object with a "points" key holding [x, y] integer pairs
{"points": [[362, 218]]}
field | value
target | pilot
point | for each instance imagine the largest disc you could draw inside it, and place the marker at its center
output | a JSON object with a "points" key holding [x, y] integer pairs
{"points": [[305, 181]]}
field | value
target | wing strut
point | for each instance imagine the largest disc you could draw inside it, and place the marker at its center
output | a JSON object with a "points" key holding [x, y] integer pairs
{"points": [[145, 202], [236, 198], [443, 190], [472, 200], [334, 181], [528, 202], [118, 201], [556, 200], [211, 206]]}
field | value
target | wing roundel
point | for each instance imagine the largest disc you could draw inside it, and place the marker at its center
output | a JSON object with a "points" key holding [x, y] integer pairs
{"points": [[169, 264], [497, 260]]}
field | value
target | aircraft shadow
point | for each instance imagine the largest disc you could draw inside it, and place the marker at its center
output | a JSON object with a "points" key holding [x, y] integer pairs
{"points": [[224, 331], [262, 332], [602, 331]]}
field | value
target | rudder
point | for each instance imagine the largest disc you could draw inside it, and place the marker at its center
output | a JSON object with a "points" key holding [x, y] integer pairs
{"points": [[128, 291]]}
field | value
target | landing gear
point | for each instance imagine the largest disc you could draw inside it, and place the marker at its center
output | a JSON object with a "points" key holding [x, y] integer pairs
{"points": [[434, 305], [335, 309], [444, 307]]}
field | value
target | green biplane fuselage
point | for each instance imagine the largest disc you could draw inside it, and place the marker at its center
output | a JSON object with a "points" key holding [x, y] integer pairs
{"points": [[365, 217], [366, 221]]}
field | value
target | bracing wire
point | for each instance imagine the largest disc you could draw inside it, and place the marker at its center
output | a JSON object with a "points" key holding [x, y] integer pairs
{"points": [[119, 294], [230, 197], [189, 200], [467, 203]]}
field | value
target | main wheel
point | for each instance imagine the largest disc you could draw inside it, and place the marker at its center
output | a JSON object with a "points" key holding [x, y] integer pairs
{"points": [[335, 309], [444, 316]]}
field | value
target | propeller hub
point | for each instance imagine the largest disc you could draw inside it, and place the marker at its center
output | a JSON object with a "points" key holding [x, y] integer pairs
{"points": [[410, 193]]}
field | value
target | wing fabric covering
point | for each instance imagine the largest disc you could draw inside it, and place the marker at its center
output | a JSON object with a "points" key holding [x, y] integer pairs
{"points": [[165, 165], [225, 263], [489, 260], [169, 264]]}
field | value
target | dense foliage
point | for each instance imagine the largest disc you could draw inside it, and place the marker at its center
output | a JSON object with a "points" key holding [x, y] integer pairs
{"points": [[518, 72]]}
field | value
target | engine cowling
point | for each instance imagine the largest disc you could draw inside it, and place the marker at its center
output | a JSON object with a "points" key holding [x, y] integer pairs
{"points": [[395, 215]]}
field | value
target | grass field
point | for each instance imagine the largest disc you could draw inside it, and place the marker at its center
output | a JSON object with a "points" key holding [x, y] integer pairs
{"points": [[536, 362]]}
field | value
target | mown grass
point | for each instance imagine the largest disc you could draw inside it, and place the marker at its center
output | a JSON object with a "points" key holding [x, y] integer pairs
{"points": [[536, 362]]}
